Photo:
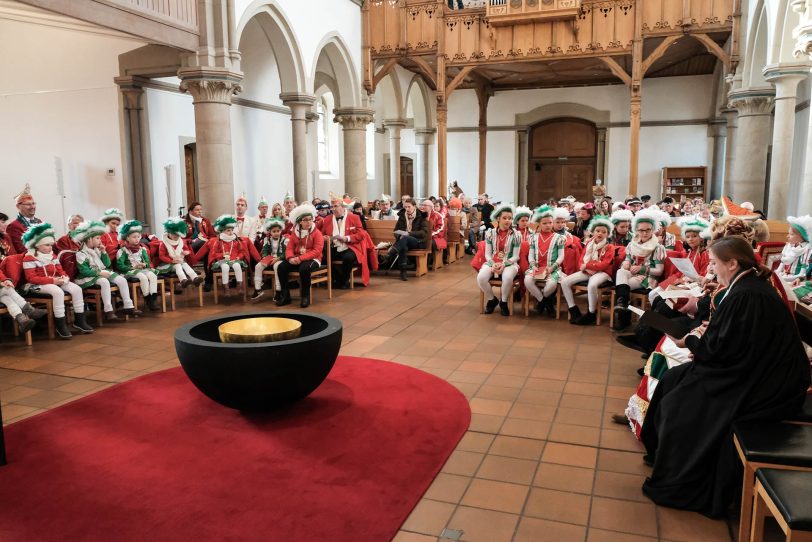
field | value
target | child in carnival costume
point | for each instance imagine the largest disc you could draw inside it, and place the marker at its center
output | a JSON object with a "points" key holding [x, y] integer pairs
{"points": [[502, 245], [796, 252], [622, 220], [226, 252], [173, 252], [545, 257], [112, 219], [94, 268], [667, 239], [45, 275], [274, 245], [134, 263], [23, 313], [572, 245]]}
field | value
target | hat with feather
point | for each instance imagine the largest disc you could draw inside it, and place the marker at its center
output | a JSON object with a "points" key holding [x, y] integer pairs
{"points": [[224, 222], [601, 220], [543, 212], [39, 234], [520, 212], [803, 225], [131, 226], [501, 208], [621, 215], [176, 226], [302, 211], [695, 224], [86, 230]]}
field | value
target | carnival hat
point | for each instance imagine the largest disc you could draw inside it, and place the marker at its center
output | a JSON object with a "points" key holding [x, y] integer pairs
{"points": [[543, 212], [24, 196], [86, 230], [289, 197], [601, 220], [386, 198], [803, 225], [696, 224], [561, 212], [663, 218], [131, 226], [39, 234], [320, 206], [622, 215], [302, 211], [274, 222], [520, 212], [262, 201], [176, 226], [501, 208], [648, 216], [111, 214], [224, 222]]}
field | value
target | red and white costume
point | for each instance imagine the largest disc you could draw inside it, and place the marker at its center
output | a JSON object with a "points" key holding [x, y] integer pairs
{"points": [[41, 271]]}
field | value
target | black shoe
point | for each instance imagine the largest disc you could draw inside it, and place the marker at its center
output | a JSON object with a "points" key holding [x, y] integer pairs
{"points": [[504, 309], [305, 301], [648, 460], [403, 276], [630, 341], [284, 298], [152, 302], [277, 296], [257, 294], [80, 323], [197, 280], [111, 316], [207, 287], [541, 306], [34, 313], [24, 323], [135, 313], [344, 285], [490, 306], [575, 314], [62, 330], [587, 319], [623, 319], [620, 419], [549, 306], [641, 371]]}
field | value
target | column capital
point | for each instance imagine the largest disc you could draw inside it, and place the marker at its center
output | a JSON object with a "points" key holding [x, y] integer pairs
{"points": [[210, 85], [353, 118], [132, 88], [752, 101], [424, 136], [394, 123], [786, 77], [297, 99]]}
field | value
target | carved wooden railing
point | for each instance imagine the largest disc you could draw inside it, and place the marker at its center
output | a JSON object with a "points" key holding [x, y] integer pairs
{"points": [[178, 13], [506, 12]]}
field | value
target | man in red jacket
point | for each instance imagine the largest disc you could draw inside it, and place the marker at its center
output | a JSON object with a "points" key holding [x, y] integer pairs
{"points": [[345, 233], [304, 253], [27, 208]]}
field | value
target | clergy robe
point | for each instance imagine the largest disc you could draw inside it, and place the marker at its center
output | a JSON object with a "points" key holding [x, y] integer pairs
{"points": [[749, 365]]}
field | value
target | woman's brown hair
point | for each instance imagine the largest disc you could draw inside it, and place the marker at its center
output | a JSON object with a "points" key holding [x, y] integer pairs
{"points": [[736, 248]]}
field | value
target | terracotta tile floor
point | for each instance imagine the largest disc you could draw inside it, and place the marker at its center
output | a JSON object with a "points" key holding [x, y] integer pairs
{"points": [[542, 460]]}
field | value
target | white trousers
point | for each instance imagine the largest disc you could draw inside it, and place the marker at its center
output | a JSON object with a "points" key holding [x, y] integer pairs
{"points": [[508, 275], [184, 271], [624, 276], [224, 269], [259, 269], [107, 295], [532, 287], [58, 295], [13, 301], [149, 282], [594, 282]]}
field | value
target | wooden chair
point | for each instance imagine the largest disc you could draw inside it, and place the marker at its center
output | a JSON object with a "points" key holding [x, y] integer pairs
{"points": [[605, 292], [28, 342], [527, 299], [637, 297], [784, 495], [768, 444], [217, 282], [324, 274], [135, 287], [498, 284], [382, 231], [47, 302], [172, 282], [93, 295]]}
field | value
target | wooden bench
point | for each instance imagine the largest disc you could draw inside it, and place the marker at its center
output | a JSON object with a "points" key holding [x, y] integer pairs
{"points": [[322, 275], [172, 282], [383, 231], [28, 342]]}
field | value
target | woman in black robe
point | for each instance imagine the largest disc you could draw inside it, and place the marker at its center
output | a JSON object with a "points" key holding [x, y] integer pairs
{"points": [[748, 364]]}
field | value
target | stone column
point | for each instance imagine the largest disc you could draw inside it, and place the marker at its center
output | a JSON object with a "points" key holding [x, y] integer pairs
{"points": [[749, 170], [732, 117], [138, 187], [424, 137], [600, 166], [300, 105], [442, 147], [803, 49], [786, 79], [354, 121], [394, 126], [523, 166], [718, 131], [211, 90]]}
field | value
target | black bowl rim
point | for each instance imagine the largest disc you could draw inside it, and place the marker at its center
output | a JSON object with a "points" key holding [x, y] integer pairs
{"points": [[183, 333]]}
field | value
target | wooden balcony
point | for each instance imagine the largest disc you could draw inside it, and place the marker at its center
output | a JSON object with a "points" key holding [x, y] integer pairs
{"points": [[508, 12]]}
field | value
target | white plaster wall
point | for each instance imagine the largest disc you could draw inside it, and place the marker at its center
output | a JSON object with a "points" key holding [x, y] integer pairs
{"points": [[261, 82], [60, 101]]}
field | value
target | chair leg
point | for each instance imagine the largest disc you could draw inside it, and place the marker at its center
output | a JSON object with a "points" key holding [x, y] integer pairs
{"points": [[244, 289], [481, 302], [29, 341], [526, 303], [49, 306], [216, 288], [612, 310], [200, 295], [558, 303], [760, 513], [163, 296], [3, 460], [99, 315], [748, 482]]}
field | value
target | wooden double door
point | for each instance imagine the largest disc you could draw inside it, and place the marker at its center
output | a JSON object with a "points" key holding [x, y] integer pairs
{"points": [[563, 160]]}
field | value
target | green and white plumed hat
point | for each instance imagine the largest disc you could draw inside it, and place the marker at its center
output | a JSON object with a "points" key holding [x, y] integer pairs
{"points": [[803, 225], [663, 218], [176, 226], [303, 210], [274, 222], [289, 197], [543, 212], [111, 214], [223, 222], [561, 212], [692, 223], [601, 220], [501, 208], [86, 230], [386, 197], [648, 216], [39, 234], [131, 226], [622, 215], [520, 212]]}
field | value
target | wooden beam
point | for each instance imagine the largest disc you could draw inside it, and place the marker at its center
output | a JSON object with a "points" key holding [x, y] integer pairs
{"points": [[426, 71], [617, 70], [635, 98], [714, 49], [383, 72], [457, 81], [483, 94], [657, 53]]}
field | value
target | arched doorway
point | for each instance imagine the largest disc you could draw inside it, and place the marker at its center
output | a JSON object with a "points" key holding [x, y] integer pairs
{"points": [[562, 161], [406, 175]]}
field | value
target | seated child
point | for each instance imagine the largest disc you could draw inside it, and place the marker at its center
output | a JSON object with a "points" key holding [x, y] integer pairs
{"points": [[795, 255], [545, 258], [133, 261], [18, 308], [173, 252], [272, 254], [502, 245], [226, 252], [112, 219]]}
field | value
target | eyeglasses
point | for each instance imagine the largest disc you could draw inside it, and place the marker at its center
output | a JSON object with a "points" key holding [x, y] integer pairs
{"points": [[646, 230]]}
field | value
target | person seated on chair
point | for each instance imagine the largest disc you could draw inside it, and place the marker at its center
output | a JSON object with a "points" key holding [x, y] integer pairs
{"points": [[272, 254], [596, 266], [21, 311], [258, 230], [502, 246], [358, 210], [455, 209], [303, 254], [622, 219], [198, 228], [643, 265], [94, 269], [289, 203], [44, 275], [133, 261], [6, 246], [695, 232], [226, 253], [66, 242], [246, 224], [412, 232], [795, 255], [438, 233], [27, 209], [346, 236], [667, 239], [174, 251], [112, 219], [323, 211], [385, 208], [545, 258]]}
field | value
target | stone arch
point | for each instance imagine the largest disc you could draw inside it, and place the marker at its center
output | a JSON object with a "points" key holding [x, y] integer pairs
{"points": [[600, 118], [419, 99], [282, 41], [389, 98], [758, 39], [782, 44], [334, 60]]}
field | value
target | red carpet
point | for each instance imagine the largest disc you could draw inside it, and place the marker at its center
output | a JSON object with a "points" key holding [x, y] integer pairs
{"points": [[153, 459]]}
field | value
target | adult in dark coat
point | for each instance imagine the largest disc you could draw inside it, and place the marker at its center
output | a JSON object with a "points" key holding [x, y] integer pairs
{"points": [[412, 232], [748, 364]]}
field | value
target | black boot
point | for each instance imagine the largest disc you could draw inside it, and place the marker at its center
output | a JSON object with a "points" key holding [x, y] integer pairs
{"points": [[25, 323], [34, 313], [305, 301], [62, 330], [504, 309], [541, 306], [630, 341], [575, 314], [284, 298], [111, 316], [80, 323], [621, 308], [490, 306], [403, 276], [587, 319], [549, 306], [152, 302], [135, 313], [277, 296]]}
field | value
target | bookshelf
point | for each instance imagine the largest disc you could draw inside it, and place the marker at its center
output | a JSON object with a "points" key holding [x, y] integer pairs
{"points": [[690, 182]]}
